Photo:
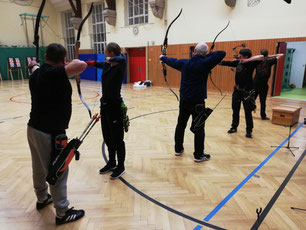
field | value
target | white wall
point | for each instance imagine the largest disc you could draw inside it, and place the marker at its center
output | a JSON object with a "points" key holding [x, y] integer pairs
{"points": [[85, 37], [13, 33], [298, 63], [203, 19]]}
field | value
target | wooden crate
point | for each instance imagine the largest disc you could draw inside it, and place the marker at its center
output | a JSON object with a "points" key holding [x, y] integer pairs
{"points": [[285, 115]]}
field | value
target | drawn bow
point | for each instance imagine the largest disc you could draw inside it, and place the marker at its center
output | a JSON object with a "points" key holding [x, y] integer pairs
{"points": [[77, 47], [36, 34], [236, 55], [164, 52], [204, 112], [211, 50]]}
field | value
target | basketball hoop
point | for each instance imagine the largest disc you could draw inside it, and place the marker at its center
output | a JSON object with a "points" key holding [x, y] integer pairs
{"points": [[75, 22], [252, 3]]}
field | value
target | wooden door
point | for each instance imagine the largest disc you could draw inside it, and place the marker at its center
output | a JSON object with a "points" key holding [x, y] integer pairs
{"points": [[137, 64]]}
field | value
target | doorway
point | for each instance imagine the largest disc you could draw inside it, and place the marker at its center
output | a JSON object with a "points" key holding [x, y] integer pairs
{"points": [[137, 64], [290, 77]]}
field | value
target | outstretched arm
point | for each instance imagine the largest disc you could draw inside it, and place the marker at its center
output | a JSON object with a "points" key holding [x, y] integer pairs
{"points": [[172, 62], [116, 59], [101, 64], [253, 58], [277, 56], [214, 58], [230, 63], [97, 64], [74, 67]]}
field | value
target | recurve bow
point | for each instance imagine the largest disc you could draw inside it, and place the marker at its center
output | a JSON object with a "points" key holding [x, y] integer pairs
{"points": [[36, 32], [77, 47], [164, 52]]}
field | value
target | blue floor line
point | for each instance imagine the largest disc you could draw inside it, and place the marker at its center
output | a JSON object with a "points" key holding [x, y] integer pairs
{"points": [[229, 196]]}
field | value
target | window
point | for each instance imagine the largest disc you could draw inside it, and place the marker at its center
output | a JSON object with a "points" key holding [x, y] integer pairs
{"points": [[137, 11], [98, 27], [69, 36]]}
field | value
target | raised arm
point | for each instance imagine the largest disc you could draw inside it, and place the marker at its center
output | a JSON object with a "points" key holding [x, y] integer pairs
{"points": [[229, 63], [172, 62], [214, 58], [277, 56], [253, 58], [97, 64], [116, 59], [74, 67]]}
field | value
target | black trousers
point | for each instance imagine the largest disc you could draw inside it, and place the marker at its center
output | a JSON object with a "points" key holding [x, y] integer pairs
{"points": [[113, 133], [237, 98], [262, 91], [187, 109]]}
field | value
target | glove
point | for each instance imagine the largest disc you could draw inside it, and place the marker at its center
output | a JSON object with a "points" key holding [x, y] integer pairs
{"points": [[90, 63]]}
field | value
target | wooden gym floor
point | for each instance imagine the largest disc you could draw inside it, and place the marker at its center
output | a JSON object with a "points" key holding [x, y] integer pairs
{"points": [[159, 190]]}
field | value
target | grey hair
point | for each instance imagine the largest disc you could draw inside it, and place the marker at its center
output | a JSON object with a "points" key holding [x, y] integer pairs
{"points": [[201, 49]]}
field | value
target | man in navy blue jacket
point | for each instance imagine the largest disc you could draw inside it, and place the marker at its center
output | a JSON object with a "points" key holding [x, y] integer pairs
{"points": [[193, 91]]}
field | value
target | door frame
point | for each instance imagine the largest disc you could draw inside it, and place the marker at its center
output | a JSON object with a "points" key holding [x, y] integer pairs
{"points": [[279, 70]]}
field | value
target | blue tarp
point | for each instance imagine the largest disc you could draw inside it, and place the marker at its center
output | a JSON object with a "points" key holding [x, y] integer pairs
{"points": [[100, 57], [89, 73], [93, 73]]}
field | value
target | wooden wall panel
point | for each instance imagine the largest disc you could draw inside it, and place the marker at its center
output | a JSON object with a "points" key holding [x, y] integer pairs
{"points": [[85, 51], [222, 76]]}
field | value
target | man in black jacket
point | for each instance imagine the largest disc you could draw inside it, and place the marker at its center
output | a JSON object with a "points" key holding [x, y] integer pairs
{"points": [[262, 75], [243, 88], [114, 69], [49, 118]]}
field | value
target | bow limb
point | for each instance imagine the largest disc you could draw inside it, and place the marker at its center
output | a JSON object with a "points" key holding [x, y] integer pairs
{"points": [[36, 35], [211, 50], [164, 52], [77, 47], [213, 45]]}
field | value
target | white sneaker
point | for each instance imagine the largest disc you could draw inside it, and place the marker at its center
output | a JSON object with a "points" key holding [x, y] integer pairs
{"points": [[179, 153]]}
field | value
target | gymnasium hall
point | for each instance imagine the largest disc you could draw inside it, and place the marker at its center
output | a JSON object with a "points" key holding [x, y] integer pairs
{"points": [[252, 171]]}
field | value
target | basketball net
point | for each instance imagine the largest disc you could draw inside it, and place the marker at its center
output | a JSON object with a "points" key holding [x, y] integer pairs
{"points": [[252, 3]]}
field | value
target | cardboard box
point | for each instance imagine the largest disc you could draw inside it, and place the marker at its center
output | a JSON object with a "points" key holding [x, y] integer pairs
{"points": [[286, 115]]}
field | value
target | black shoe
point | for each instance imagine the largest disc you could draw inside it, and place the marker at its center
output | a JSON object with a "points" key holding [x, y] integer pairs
{"points": [[117, 172], [41, 205], [179, 153], [265, 118], [70, 215], [232, 130], [204, 157], [248, 135], [107, 168]]}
